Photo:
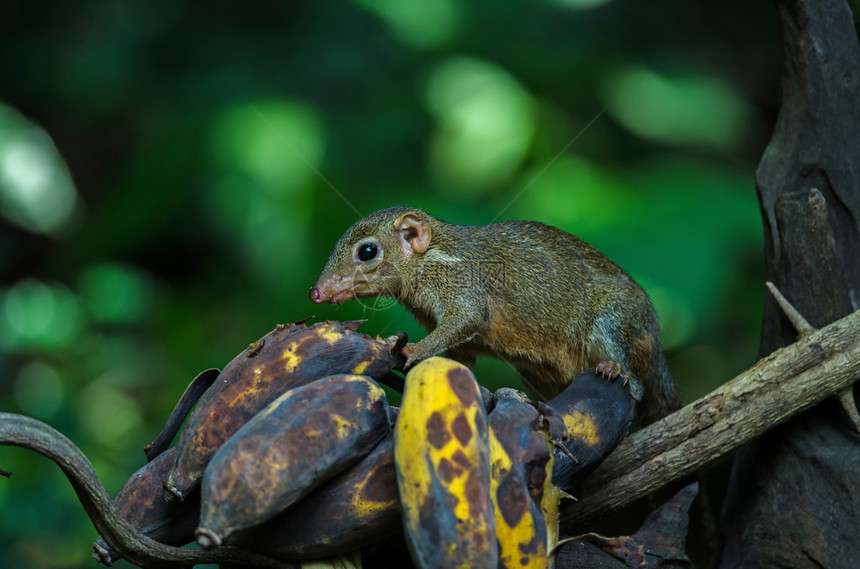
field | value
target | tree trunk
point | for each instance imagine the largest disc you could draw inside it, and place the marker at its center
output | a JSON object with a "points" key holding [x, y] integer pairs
{"points": [[794, 495]]}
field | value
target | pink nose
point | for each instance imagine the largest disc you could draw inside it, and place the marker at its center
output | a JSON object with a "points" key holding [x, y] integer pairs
{"points": [[318, 296]]}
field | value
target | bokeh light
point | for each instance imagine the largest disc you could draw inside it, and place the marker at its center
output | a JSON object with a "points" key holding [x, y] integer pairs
{"points": [[115, 293], [683, 109], [485, 124], [36, 191], [422, 24], [39, 316]]}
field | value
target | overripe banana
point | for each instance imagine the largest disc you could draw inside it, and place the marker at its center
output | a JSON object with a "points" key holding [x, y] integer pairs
{"points": [[141, 502], [520, 481], [441, 452], [304, 437], [288, 357], [597, 413], [354, 510]]}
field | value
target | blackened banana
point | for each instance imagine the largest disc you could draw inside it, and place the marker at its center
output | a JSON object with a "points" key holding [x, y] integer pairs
{"points": [[141, 502], [356, 509], [287, 357], [304, 437], [597, 413]]}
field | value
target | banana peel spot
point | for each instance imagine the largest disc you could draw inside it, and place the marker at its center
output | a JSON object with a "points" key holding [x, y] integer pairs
{"points": [[581, 425]]}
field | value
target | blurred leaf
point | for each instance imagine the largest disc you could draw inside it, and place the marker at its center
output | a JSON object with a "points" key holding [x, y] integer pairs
{"points": [[681, 109], [39, 316], [36, 191], [39, 390], [108, 414], [116, 294], [277, 143], [418, 23], [485, 124]]}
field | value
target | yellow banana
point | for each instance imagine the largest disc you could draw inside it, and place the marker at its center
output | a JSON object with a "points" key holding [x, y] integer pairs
{"points": [[441, 452]]}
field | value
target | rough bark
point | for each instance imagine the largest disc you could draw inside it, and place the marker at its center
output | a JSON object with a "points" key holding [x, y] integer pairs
{"points": [[794, 494]]}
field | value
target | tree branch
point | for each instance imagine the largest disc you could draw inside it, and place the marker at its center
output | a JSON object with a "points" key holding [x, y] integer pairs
{"points": [[819, 365]]}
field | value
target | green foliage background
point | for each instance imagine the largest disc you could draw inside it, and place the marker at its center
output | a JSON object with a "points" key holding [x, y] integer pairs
{"points": [[173, 176]]}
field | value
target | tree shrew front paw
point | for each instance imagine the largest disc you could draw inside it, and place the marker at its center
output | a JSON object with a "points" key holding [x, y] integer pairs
{"points": [[612, 370]]}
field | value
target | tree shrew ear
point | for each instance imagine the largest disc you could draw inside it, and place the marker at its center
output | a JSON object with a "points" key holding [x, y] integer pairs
{"points": [[413, 233]]}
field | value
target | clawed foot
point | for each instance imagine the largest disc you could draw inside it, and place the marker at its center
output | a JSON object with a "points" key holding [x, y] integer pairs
{"points": [[397, 342], [398, 347], [411, 357], [612, 370]]}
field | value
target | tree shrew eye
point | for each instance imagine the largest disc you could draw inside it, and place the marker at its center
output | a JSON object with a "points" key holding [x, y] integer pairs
{"points": [[367, 251]]}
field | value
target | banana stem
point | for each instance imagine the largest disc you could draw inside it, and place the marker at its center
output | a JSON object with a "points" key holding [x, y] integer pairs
{"points": [[25, 432]]}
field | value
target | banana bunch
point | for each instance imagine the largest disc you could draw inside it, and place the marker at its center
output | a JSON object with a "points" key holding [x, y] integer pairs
{"points": [[293, 452], [163, 499]]}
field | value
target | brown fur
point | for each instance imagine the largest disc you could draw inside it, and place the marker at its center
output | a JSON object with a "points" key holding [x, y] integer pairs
{"points": [[523, 292]]}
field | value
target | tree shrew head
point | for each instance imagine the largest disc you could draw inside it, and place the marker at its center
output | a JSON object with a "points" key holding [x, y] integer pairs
{"points": [[369, 259]]}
